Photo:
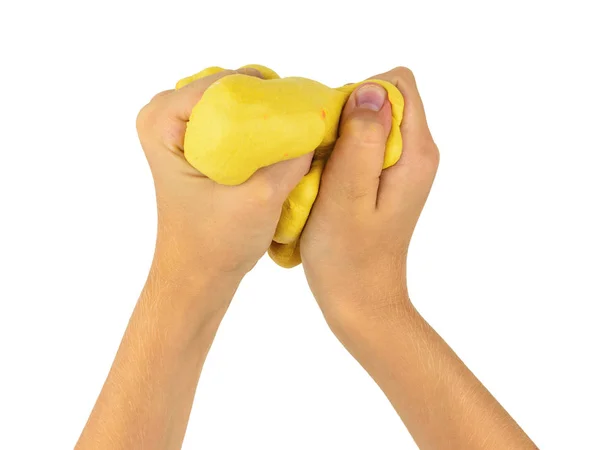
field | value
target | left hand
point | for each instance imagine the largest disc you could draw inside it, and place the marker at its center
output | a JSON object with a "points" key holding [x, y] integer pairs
{"points": [[204, 227]]}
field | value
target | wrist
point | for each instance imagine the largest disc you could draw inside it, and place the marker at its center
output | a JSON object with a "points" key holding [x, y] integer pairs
{"points": [[348, 299], [359, 319], [381, 340], [187, 256], [350, 293], [176, 298]]}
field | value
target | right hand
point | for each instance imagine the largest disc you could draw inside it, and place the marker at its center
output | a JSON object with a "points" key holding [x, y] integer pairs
{"points": [[355, 244]]}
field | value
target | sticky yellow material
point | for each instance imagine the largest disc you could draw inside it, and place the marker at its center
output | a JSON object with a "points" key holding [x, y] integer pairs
{"points": [[243, 123]]}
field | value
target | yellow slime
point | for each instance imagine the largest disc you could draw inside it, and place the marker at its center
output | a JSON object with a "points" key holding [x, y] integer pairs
{"points": [[243, 123]]}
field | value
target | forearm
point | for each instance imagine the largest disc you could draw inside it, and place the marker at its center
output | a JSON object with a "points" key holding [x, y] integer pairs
{"points": [[147, 398], [443, 405]]}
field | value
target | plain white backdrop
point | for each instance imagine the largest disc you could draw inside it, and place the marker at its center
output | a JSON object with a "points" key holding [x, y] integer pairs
{"points": [[504, 263]]}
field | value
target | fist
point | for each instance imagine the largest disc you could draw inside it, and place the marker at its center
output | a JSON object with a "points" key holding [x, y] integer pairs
{"points": [[355, 244], [205, 227]]}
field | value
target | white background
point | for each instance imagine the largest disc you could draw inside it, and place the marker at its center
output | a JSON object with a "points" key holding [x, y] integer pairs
{"points": [[504, 263]]}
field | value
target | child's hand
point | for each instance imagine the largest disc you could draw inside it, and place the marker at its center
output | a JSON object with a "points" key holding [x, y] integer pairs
{"points": [[355, 244], [204, 227]]}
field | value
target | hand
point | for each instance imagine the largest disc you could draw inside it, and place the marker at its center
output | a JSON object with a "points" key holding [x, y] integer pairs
{"points": [[355, 244], [209, 236], [204, 227]]}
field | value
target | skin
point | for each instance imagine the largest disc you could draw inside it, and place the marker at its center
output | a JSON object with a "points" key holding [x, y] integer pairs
{"points": [[354, 250]]}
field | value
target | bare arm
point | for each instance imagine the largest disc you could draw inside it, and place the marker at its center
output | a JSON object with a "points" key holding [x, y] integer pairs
{"points": [[442, 403], [354, 251], [147, 397], [209, 236]]}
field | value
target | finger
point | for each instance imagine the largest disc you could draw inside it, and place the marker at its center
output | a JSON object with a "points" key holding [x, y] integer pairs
{"points": [[420, 155], [414, 122], [165, 117], [351, 175], [184, 99], [275, 182]]}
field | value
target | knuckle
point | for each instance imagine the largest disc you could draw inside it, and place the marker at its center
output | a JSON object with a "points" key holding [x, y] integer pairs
{"points": [[144, 117], [261, 193], [403, 78], [353, 192], [155, 122], [435, 155], [158, 98], [147, 117], [404, 73], [250, 71], [345, 189], [364, 132], [430, 156], [150, 113]]}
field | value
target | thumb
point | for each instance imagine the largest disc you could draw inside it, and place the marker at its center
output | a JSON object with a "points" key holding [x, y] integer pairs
{"points": [[275, 182], [352, 172]]}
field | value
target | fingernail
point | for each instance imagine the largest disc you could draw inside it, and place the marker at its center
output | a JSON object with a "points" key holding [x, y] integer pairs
{"points": [[250, 71], [371, 96]]}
